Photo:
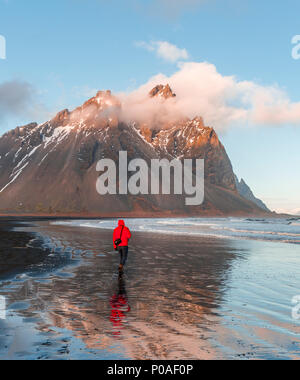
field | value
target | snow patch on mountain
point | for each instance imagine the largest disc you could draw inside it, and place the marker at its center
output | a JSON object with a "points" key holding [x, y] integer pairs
{"points": [[59, 134], [19, 172]]}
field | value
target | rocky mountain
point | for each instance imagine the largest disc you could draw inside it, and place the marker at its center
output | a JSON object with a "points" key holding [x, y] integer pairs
{"points": [[245, 191], [162, 91], [50, 169]]}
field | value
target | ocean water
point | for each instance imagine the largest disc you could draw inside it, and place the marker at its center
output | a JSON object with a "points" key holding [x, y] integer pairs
{"points": [[275, 230]]}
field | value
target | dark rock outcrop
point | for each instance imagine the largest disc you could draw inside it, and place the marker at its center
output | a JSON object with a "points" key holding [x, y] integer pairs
{"points": [[162, 91]]}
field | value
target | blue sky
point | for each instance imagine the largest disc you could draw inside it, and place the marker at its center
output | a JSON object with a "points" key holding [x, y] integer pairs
{"points": [[67, 49]]}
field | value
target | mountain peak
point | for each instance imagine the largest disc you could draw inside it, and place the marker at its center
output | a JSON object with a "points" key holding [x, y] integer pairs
{"points": [[246, 192], [103, 100], [163, 91], [62, 116]]}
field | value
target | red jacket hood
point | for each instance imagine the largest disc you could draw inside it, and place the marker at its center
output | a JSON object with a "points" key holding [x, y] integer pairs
{"points": [[121, 223]]}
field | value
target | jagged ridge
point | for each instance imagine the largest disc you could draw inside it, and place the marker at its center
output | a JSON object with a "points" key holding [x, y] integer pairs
{"points": [[51, 168]]}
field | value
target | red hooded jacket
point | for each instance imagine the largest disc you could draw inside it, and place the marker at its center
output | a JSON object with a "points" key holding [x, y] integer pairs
{"points": [[126, 235]]}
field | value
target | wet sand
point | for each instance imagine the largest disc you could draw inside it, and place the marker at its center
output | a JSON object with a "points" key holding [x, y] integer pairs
{"points": [[180, 298]]}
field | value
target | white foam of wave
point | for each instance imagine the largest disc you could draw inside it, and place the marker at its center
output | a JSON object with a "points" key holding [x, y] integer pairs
{"points": [[186, 223], [260, 232], [215, 227]]}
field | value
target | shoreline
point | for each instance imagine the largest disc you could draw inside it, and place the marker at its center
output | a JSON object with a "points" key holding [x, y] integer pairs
{"points": [[146, 215], [23, 251], [45, 217], [186, 301], [18, 250]]}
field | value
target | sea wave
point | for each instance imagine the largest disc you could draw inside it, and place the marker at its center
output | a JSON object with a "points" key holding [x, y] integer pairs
{"points": [[277, 230]]}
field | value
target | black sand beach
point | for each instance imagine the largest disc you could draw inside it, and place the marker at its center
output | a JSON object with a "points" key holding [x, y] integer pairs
{"points": [[23, 252], [180, 298]]}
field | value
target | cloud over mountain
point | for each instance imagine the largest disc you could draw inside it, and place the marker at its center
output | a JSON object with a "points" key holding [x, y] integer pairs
{"points": [[222, 101]]}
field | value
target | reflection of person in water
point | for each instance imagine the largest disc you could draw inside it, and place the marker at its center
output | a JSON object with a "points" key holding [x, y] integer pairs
{"points": [[119, 307]]}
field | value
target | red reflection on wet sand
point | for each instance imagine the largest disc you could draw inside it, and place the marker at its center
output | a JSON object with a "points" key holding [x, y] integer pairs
{"points": [[119, 308]]}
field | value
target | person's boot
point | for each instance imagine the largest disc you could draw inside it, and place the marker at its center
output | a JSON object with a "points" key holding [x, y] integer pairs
{"points": [[121, 267]]}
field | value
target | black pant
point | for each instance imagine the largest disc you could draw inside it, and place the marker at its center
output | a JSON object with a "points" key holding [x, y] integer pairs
{"points": [[123, 254]]}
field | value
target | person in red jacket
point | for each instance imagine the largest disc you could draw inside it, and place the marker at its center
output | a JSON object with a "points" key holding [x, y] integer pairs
{"points": [[123, 233]]}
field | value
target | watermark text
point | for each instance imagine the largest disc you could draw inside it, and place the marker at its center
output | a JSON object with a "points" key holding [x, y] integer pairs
{"points": [[2, 47], [161, 177], [296, 308], [2, 307], [296, 48]]}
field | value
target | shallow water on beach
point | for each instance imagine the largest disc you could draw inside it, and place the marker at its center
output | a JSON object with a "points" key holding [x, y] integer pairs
{"points": [[194, 297]]}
